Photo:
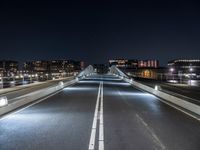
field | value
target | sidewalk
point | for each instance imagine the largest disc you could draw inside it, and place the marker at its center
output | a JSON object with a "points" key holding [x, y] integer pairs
{"points": [[188, 93], [20, 87]]}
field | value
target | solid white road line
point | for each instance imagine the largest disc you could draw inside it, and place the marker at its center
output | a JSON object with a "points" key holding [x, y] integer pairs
{"points": [[98, 114], [101, 125], [94, 124]]}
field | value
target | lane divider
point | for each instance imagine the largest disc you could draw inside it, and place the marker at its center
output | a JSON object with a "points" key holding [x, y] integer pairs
{"points": [[101, 125], [98, 114], [94, 124]]}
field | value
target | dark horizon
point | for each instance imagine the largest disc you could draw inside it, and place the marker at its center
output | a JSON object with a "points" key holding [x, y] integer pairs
{"points": [[97, 31]]}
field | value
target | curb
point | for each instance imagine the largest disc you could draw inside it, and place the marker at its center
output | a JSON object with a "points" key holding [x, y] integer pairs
{"points": [[169, 98], [36, 95]]}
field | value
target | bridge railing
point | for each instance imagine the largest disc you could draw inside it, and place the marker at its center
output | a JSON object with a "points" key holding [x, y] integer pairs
{"points": [[116, 71], [186, 105], [86, 72]]}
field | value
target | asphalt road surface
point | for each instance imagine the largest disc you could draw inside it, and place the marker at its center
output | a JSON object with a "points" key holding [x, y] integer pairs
{"points": [[100, 112]]}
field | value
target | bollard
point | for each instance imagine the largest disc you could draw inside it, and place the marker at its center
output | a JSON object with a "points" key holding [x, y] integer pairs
{"points": [[3, 101], [61, 84]]}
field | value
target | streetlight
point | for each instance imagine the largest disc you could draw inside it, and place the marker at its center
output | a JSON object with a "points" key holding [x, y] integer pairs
{"points": [[30, 78], [190, 76], [1, 82], [36, 75], [22, 76], [172, 70]]}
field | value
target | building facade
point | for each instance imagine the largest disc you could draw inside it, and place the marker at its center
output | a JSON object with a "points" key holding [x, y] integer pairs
{"points": [[54, 67], [40, 67], [151, 73], [8, 67], [184, 67], [124, 63], [134, 64], [121, 63], [148, 64]]}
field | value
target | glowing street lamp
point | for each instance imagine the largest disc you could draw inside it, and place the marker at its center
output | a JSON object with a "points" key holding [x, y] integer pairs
{"points": [[61, 84], [36, 75], [190, 70], [156, 87], [172, 70], [3, 101], [1, 78]]}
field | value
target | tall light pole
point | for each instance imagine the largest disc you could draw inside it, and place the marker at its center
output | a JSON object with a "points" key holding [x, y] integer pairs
{"points": [[172, 70], [180, 75], [190, 70], [36, 75], [22, 76], [30, 77], [1, 82]]}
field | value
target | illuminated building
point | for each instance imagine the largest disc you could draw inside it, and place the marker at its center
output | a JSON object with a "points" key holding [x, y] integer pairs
{"points": [[121, 63], [76, 65], [53, 67], [100, 68], [133, 63], [57, 66], [8, 67], [39, 66], [148, 64], [151, 73], [184, 66], [82, 64], [124, 63]]}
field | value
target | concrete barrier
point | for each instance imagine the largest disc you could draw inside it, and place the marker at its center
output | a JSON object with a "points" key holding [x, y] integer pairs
{"points": [[170, 98], [28, 98], [167, 97]]}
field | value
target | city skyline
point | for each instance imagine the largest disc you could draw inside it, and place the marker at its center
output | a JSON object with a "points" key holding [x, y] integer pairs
{"points": [[99, 75], [97, 31]]}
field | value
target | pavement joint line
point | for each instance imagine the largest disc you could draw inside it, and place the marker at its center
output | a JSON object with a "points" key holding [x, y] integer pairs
{"points": [[154, 136]]}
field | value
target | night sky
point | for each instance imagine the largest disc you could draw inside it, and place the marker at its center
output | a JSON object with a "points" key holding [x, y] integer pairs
{"points": [[95, 31]]}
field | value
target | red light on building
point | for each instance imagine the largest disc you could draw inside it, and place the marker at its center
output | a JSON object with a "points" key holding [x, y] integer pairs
{"points": [[148, 64]]}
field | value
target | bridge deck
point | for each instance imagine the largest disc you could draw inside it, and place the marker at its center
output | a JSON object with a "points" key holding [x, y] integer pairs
{"points": [[132, 119]]}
